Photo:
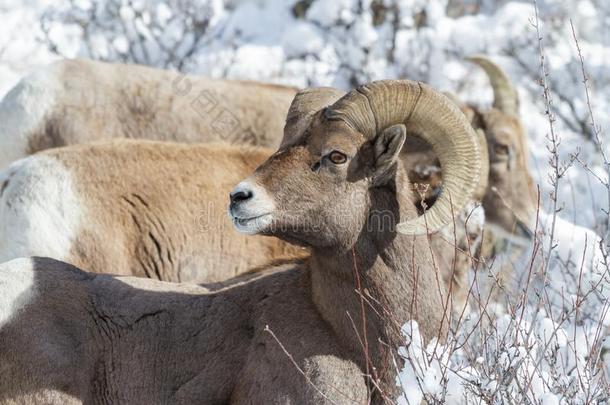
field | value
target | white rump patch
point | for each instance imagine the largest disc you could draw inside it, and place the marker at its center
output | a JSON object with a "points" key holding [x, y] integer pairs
{"points": [[40, 211], [23, 110], [16, 287]]}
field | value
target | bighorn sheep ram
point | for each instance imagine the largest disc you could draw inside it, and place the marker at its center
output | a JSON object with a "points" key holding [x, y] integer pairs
{"points": [[510, 200], [337, 187], [140, 208], [79, 101]]}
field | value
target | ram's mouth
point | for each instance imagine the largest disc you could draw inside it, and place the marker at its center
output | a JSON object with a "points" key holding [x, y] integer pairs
{"points": [[252, 225]]}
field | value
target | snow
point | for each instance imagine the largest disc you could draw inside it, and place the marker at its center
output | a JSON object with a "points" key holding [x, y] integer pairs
{"points": [[256, 62], [302, 39], [345, 42], [329, 13]]}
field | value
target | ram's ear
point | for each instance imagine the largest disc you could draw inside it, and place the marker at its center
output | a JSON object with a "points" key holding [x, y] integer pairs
{"points": [[387, 148]]}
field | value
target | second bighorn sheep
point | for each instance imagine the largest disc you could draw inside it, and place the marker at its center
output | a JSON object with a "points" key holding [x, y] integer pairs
{"points": [[339, 188], [79, 101], [142, 208]]}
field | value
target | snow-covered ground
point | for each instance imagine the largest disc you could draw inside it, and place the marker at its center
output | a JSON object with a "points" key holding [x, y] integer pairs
{"points": [[346, 42]]}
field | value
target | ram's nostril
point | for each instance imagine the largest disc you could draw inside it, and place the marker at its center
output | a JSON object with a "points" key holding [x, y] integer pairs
{"points": [[240, 195]]}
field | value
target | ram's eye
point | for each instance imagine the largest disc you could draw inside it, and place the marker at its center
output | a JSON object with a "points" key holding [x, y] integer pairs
{"points": [[337, 157], [501, 149]]}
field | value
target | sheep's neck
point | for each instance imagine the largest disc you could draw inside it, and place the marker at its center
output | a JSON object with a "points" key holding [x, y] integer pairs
{"points": [[377, 274]]}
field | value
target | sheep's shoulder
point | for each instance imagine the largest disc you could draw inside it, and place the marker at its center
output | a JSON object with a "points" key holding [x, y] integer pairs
{"points": [[294, 356]]}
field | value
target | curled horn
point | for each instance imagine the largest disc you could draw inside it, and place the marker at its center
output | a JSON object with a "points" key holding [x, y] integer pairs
{"points": [[479, 192], [506, 98], [438, 121]]}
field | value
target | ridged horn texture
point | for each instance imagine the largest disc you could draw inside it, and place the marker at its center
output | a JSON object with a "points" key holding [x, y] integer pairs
{"points": [[479, 193], [304, 106], [506, 98], [453, 97], [427, 113]]}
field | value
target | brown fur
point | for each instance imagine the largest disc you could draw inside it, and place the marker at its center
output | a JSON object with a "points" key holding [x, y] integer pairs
{"points": [[102, 101], [511, 198], [158, 210], [138, 341]]}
